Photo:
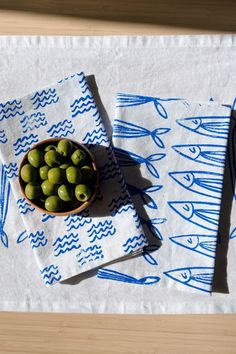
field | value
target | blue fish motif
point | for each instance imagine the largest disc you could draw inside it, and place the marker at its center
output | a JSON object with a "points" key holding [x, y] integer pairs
{"points": [[205, 215], [24, 206], [127, 158], [134, 243], [44, 98], [4, 201], [66, 244], [200, 182], [89, 254], [101, 230], [213, 126], [33, 121], [233, 233], [22, 145], [144, 194], [117, 204], [203, 244], [98, 118], [22, 237], [38, 239], [46, 217], [10, 109], [151, 225], [109, 274], [11, 170], [83, 105], [213, 155], [147, 254], [74, 222], [61, 129], [50, 274], [128, 100], [109, 170], [132, 131], [3, 137], [199, 278], [98, 136]]}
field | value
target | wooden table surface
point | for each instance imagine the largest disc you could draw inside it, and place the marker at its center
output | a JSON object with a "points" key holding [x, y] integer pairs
{"points": [[106, 334]]}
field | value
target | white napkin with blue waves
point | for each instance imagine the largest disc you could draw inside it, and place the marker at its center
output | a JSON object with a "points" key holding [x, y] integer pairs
{"points": [[106, 231], [172, 154]]}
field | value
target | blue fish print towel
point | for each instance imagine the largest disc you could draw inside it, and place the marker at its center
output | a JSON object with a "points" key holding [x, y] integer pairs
{"points": [[172, 154], [109, 229]]}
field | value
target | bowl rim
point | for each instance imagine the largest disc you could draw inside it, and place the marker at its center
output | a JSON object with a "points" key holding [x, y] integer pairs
{"points": [[58, 213]]}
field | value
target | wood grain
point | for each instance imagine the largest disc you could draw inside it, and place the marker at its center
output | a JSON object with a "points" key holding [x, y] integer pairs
{"points": [[107, 334]]}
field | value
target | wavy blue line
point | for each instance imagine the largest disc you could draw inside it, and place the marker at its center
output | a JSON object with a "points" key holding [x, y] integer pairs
{"points": [[63, 135], [90, 255], [9, 103], [84, 104], [67, 250], [66, 243], [81, 99], [40, 244], [44, 98], [83, 111], [11, 115], [48, 276], [81, 224], [46, 269], [20, 140], [36, 126], [103, 235], [90, 248], [40, 93], [130, 240], [65, 237], [101, 229], [47, 103], [126, 250], [10, 109], [60, 124], [53, 280], [59, 129], [38, 233]]}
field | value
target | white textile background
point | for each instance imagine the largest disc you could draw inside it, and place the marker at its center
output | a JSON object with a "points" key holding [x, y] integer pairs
{"points": [[194, 67]]}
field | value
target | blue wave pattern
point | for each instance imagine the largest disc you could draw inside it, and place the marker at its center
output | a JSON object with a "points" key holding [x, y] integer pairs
{"points": [[134, 242], [82, 105], [203, 244], [199, 278], [101, 230], [66, 244], [90, 254], [211, 155], [46, 217], [128, 159], [109, 274], [11, 109], [74, 222], [11, 170], [22, 145], [205, 183], [3, 137], [33, 121], [98, 118], [4, 201], [116, 205], [44, 98], [129, 100], [24, 207], [132, 131], [80, 74], [61, 129], [213, 126], [50, 274], [38, 239], [204, 214], [109, 170], [144, 194], [151, 225], [97, 136]]}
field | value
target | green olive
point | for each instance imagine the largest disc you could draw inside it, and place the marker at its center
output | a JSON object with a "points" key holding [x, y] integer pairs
{"points": [[35, 157], [64, 166], [48, 188], [65, 147], [56, 175], [50, 147], [29, 173], [43, 172], [83, 192], [32, 190], [53, 203], [78, 157], [73, 175], [52, 158], [65, 192]]}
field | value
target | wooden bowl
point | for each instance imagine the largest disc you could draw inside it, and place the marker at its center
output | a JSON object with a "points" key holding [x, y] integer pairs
{"points": [[66, 208]]}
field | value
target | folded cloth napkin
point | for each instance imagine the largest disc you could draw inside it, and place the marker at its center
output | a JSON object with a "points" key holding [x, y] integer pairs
{"points": [[172, 155], [106, 231]]}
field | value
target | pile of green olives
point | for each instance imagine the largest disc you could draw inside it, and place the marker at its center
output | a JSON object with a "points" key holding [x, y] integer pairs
{"points": [[58, 176]]}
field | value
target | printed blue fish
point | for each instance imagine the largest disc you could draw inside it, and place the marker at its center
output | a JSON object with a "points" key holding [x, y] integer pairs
{"points": [[151, 225], [205, 215], [204, 244], [213, 155], [109, 274], [199, 278], [132, 131], [128, 100], [143, 193], [127, 158], [4, 200], [200, 182], [215, 127], [147, 254]]}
